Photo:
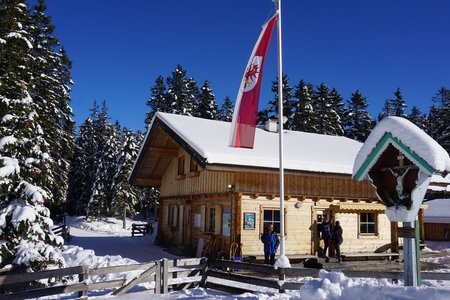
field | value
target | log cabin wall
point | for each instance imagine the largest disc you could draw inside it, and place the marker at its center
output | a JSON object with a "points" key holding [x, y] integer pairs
{"points": [[205, 181]]}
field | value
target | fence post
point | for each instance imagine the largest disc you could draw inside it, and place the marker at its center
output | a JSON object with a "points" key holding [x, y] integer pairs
{"points": [[81, 278], [281, 278], [158, 277], [165, 275], [204, 263]]}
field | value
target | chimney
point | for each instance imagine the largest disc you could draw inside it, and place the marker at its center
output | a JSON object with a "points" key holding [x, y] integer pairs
{"points": [[271, 125]]}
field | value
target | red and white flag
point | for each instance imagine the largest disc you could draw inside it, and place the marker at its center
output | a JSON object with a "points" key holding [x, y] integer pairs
{"points": [[245, 114]]}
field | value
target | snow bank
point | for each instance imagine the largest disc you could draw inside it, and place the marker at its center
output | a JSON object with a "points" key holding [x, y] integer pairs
{"points": [[412, 137], [335, 285], [282, 262]]}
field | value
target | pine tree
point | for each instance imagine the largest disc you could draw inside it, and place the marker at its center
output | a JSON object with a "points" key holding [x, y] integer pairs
{"points": [[81, 176], [288, 102], [398, 104], [105, 139], [182, 92], [327, 119], [337, 106], [207, 106], [158, 99], [418, 118], [125, 195], [26, 238], [386, 111], [226, 110], [304, 116], [50, 89], [357, 121], [440, 118]]}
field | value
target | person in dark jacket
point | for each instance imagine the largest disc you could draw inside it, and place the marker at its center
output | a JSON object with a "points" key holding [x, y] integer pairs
{"points": [[271, 242], [326, 234], [337, 239]]}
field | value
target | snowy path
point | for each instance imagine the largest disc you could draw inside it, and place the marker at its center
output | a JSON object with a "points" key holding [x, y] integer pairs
{"points": [[140, 249]]}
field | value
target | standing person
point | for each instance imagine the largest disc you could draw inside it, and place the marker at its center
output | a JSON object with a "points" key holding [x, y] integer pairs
{"points": [[271, 242], [326, 234], [337, 239]]}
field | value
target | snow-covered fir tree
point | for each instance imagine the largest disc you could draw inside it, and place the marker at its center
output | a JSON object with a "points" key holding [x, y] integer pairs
{"points": [[418, 118], [339, 107], [386, 111], [304, 115], [439, 118], [26, 238], [106, 140], [207, 107], [182, 92], [158, 100], [226, 110], [357, 121], [288, 102], [327, 119], [81, 176], [50, 83], [398, 104], [125, 196]]}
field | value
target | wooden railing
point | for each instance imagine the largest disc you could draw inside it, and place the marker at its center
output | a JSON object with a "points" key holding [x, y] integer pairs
{"points": [[176, 274], [251, 277], [164, 275], [63, 231], [141, 229]]}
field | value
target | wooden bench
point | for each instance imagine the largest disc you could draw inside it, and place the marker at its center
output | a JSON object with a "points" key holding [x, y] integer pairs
{"points": [[368, 256]]}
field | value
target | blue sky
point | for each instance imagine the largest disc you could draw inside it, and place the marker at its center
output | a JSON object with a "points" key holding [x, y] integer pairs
{"points": [[118, 48]]}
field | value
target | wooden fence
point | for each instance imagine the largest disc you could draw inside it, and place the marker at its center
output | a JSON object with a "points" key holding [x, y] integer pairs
{"points": [[63, 231], [164, 275], [141, 229], [176, 274]]}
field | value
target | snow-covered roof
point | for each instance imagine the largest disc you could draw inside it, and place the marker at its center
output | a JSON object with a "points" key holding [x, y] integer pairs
{"points": [[438, 211], [411, 136], [302, 151]]}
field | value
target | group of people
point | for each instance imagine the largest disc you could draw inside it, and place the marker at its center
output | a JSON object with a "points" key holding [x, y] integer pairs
{"points": [[331, 234], [328, 233]]}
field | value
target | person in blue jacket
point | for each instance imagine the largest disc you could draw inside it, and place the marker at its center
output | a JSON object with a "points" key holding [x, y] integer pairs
{"points": [[271, 242]]}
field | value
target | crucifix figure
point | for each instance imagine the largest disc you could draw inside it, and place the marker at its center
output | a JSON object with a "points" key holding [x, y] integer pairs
{"points": [[400, 173]]}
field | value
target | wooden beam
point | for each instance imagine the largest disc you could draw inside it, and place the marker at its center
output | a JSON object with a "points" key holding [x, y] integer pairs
{"points": [[156, 182], [164, 151]]}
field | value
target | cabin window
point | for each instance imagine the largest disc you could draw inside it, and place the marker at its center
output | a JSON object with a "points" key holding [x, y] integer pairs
{"points": [[173, 215], [193, 166], [213, 219], [181, 166], [271, 216], [367, 223]]}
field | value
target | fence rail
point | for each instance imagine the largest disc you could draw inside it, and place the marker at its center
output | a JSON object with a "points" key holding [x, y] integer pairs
{"points": [[141, 229], [164, 275]]}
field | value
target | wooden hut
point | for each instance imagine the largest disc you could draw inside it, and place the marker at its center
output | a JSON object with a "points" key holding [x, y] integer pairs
{"points": [[218, 194]]}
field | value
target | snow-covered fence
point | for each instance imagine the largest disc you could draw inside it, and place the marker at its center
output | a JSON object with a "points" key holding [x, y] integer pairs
{"points": [[222, 275], [141, 229], [160, 275], [63, 231]]}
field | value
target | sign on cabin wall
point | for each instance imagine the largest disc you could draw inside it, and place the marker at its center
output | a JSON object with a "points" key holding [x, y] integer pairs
{"points": [[249, 220]]}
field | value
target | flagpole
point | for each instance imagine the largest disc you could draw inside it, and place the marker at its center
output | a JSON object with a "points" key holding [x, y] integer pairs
{"points": [[280, 125]]}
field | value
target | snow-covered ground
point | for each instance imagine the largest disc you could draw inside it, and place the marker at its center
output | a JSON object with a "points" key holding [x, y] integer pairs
{"points": [[105, 243]]}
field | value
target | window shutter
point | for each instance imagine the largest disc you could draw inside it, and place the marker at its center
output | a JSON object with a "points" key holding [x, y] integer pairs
{"points": [[203, 213], [218, 227]]}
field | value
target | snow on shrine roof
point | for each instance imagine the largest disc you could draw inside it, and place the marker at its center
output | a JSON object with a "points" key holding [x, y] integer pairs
{"points": [[302, 151], [410, 136]]}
